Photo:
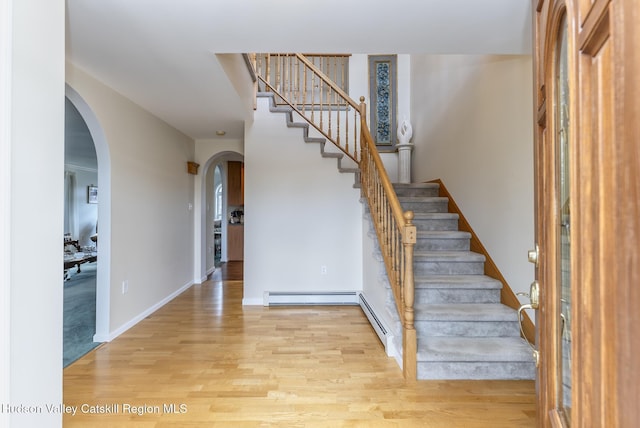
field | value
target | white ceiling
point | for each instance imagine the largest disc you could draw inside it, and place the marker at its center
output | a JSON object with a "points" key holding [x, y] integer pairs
{"points": [[161, 53]]}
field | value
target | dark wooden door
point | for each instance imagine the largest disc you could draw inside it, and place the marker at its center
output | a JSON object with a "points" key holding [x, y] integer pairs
{"points": [[587, 154]]}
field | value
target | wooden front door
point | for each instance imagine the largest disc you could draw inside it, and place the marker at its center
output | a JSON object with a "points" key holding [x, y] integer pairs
{"points": [[587, 166]]}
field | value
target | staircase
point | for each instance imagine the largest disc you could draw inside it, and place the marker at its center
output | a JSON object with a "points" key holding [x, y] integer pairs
{"points": [[464, 332]]}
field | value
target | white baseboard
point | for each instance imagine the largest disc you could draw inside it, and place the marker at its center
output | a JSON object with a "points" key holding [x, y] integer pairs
{"points": [[275, 298], [135, 320], [256, 301]]}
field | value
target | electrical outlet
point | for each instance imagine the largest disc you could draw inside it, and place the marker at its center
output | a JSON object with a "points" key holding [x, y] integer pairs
{"points": [[125, 286], [323, 270]]}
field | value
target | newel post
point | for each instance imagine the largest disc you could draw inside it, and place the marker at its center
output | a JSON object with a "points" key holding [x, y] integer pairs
{"points": [[409, 339]]}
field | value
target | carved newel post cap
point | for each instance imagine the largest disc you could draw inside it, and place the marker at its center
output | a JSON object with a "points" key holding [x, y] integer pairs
{"points": [[408, 215]]}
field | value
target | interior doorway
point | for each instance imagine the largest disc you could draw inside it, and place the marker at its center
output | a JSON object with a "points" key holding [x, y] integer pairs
{"points": [[103, 185], [222, 215], [80, 237]]}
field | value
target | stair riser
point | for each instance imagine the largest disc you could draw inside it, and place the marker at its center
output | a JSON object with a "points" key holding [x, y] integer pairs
{"points": [[433, 244], [498, 370], [436, 225], [427, 206], [448, 268], [409, 191], [467, 328], [456, 295]]}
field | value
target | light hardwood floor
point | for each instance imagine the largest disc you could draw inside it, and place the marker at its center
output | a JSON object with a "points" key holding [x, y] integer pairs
{"points": [[223, 364]]}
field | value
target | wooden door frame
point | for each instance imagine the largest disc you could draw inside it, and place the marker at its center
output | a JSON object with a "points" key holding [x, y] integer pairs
{"points": [[550, 17], [604, 40]]}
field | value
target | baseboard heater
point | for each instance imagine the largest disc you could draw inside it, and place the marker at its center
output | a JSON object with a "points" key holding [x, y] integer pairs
{"points": [[377, 325], [275, 298]]}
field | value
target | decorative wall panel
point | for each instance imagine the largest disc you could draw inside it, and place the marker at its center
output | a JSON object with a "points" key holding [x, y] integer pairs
{"points": [[384, 99]]}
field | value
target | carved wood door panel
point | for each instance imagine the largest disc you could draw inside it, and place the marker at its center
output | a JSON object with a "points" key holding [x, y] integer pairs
{"points": [[587, 164]]}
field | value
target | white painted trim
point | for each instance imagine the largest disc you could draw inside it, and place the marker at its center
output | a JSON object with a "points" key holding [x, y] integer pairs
{"points": [[135, 320], [275, 298], [6, 30], [252, 302]]}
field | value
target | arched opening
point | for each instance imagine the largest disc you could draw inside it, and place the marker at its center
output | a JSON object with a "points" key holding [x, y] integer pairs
{"points": [[214, 212], [102, 313]]}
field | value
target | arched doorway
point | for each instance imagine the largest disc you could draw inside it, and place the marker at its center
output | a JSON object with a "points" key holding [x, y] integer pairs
{"points": [[104, 213], [206, 238]]}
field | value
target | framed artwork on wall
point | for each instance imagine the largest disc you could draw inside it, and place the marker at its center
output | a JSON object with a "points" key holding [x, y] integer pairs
{"points": [[384, 100], [92, 194]]}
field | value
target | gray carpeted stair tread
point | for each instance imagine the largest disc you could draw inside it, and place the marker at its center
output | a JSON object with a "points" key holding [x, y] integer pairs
{"points": [[416, 185], [457, 281], [464, 312], [315, 140], [443, 234], [435, 216], [297, 124], [332, 155], [449, 256], [353, 170], [503, 349], [423, 199]]}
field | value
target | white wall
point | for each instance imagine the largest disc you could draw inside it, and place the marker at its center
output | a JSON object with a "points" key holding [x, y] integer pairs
{"points": [[151, 203], [33, 107], [300, 214], [5, 201], [473, 129]]}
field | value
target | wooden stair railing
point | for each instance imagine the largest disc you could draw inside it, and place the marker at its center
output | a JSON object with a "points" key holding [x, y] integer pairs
{"points": [[312, 94], [298, 83]]}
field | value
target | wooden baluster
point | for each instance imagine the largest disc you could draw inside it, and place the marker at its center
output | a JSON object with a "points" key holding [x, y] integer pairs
{"points": [[289, 80], [313, 96], [329, 94], [268, 72], [293, 94], [363, 114], [306, 88], [321, 95], [355, 136], [410, 350], [299, 95], [294, 81], [394, 237], [346, 128], [278, 73]]}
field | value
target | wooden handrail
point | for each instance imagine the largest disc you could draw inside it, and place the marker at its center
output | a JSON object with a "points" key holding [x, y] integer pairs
{"points": [[328, 113], [398, 213], [313, 95], [388, 220]]}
